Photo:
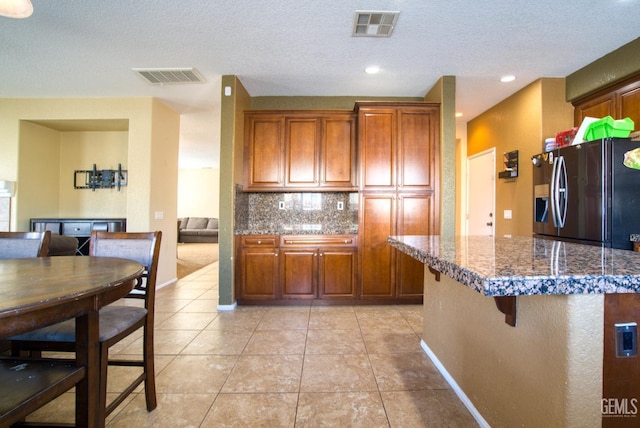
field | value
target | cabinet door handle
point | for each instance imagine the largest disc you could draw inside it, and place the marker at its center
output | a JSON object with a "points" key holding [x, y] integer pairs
{"points": [[259, 242]]}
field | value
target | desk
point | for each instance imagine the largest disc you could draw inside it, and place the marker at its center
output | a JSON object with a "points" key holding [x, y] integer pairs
{"points": [[42, 291]]}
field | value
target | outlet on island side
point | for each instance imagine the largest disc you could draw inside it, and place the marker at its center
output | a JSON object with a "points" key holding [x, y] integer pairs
{"points": [[340, 206], [281, 205]]}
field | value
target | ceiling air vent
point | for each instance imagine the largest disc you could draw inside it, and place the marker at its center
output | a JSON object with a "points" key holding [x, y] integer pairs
{"points": [[374, 23], [169, 76]]}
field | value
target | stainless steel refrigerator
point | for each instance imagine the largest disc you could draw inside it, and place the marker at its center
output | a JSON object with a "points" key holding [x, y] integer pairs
{"points": [[584, 193]]}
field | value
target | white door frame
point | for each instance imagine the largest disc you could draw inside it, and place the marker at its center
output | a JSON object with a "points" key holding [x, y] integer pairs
{"points": [[491, 152]]}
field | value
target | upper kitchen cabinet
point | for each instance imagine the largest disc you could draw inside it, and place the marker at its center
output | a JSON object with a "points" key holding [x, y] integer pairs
{"points": [[300, 151], [264, 151], [398, 146], [619, 101]]}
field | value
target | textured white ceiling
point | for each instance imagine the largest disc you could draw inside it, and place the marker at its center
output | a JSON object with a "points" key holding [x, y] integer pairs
{"points": [[301, 47]]}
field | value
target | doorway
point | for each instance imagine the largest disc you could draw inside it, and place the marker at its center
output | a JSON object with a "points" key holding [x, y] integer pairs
{"points": [[481, 193]]}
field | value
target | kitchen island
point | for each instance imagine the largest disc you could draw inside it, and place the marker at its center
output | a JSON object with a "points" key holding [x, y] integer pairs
{"points": [[544, 366]]}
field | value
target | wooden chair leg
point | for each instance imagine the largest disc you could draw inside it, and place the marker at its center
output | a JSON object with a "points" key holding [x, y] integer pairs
{"points": [[104, 363], [149, 369]]}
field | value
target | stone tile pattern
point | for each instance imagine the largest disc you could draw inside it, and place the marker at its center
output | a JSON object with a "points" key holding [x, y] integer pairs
{"points": [[303, 213], [500, 266], [295, 366]]}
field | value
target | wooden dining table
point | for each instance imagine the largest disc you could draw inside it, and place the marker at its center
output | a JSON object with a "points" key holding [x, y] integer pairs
{"points": [[37, 292]]}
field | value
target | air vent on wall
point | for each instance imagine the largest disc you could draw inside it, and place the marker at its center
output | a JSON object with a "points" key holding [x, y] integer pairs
{"points": [[169, 76], [374, 23]]}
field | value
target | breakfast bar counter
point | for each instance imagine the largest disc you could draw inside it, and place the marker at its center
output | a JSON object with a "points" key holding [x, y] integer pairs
{"points": [[550, 367]]}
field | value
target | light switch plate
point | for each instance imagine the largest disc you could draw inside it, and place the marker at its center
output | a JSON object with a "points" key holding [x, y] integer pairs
{"points": [[508, 214]]}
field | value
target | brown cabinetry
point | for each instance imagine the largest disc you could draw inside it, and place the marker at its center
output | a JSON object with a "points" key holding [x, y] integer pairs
{"points": [[257, 268], [398, 152], [300, 151], [296, 267], [619, 101]]}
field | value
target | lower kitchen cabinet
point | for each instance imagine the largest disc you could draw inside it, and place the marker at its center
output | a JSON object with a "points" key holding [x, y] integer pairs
{"points": [[296, 267], [257, 268]]}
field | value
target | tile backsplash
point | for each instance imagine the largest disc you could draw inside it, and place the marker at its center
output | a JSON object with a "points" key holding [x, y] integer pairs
{"points": [[296, 213]]}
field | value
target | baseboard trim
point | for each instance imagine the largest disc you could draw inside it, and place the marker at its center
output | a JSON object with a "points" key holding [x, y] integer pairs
{"points": [[228, 307], [454, 385]]}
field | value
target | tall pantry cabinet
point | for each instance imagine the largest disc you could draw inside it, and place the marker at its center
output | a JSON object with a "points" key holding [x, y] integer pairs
{"points": [[398, 149]]}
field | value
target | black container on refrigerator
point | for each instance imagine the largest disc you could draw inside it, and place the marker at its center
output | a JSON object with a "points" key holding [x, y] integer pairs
{"points": [[584, 193]]}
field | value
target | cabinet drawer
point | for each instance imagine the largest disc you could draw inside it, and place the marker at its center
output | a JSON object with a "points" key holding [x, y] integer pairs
{"points": [[269, 241], [318, 240], [76, 228]]}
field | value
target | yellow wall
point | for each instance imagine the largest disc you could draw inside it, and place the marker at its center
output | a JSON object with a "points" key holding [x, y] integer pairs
{"points": [[545, 372], [521, 122], [30, 150], [195, 185]]}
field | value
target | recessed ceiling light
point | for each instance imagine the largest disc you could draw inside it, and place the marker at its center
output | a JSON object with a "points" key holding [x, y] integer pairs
{"points": [[372, 69], [508, 78], [458, 114]]}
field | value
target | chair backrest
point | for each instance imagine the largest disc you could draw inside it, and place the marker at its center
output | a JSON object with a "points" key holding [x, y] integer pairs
{"points": [[142, 247], [22, 245]]}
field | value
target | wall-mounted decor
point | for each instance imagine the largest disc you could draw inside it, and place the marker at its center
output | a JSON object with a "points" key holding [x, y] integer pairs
{"points": [[100, 178], [510, 160]]}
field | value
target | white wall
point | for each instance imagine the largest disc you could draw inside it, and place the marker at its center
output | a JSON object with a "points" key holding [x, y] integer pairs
{"points": [[198, 192]]}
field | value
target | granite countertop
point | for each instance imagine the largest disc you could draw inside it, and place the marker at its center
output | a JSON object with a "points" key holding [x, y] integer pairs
{"points": [[496, 266], [299, 229]]}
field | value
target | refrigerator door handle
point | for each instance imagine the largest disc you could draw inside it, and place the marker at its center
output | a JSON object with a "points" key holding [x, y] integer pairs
{"points": [[553, 194], [561, 191]]}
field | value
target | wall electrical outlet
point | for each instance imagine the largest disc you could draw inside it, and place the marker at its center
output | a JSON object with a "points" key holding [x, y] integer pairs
{"points": [[508, 214], [340, 205], [159, 215], [626, 339], [281, 205]]}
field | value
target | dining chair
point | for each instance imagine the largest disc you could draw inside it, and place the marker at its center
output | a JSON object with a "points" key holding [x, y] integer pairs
{"points": [[117, 320], [20, 245]]}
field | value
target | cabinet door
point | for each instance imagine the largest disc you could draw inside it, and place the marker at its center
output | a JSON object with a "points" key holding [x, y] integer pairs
{"points": [[376, 256], [302, 143], [598, 107], [337, 273], [298, 273], [418, 146], [416, 216], [258, 273], [377, 148], [629, 103], [338, 152], [264, 151]]}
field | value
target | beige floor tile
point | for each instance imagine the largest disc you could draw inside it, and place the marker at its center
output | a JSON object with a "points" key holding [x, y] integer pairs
{"points": [[218, 342], [170, 305], [166, 342], [238, 319], [195, 374], [180, 293], [337, 373], [174, 410], [186, 321], [386, 342], [335, 342], [265, 373], [252, 410], [406, 372], [270, 342], [433, 408], [284, 320], [339, 319], [201, 305], [341, 409]]}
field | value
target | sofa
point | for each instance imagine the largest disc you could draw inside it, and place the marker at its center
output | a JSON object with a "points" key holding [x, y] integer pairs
{"points": [[197, 229]]}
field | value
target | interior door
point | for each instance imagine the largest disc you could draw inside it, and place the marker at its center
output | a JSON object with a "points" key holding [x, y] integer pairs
{"points": [[481, 190]]}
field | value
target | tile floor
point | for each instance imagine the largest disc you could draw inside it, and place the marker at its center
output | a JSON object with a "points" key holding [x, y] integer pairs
{"points": [[333, 366]]}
